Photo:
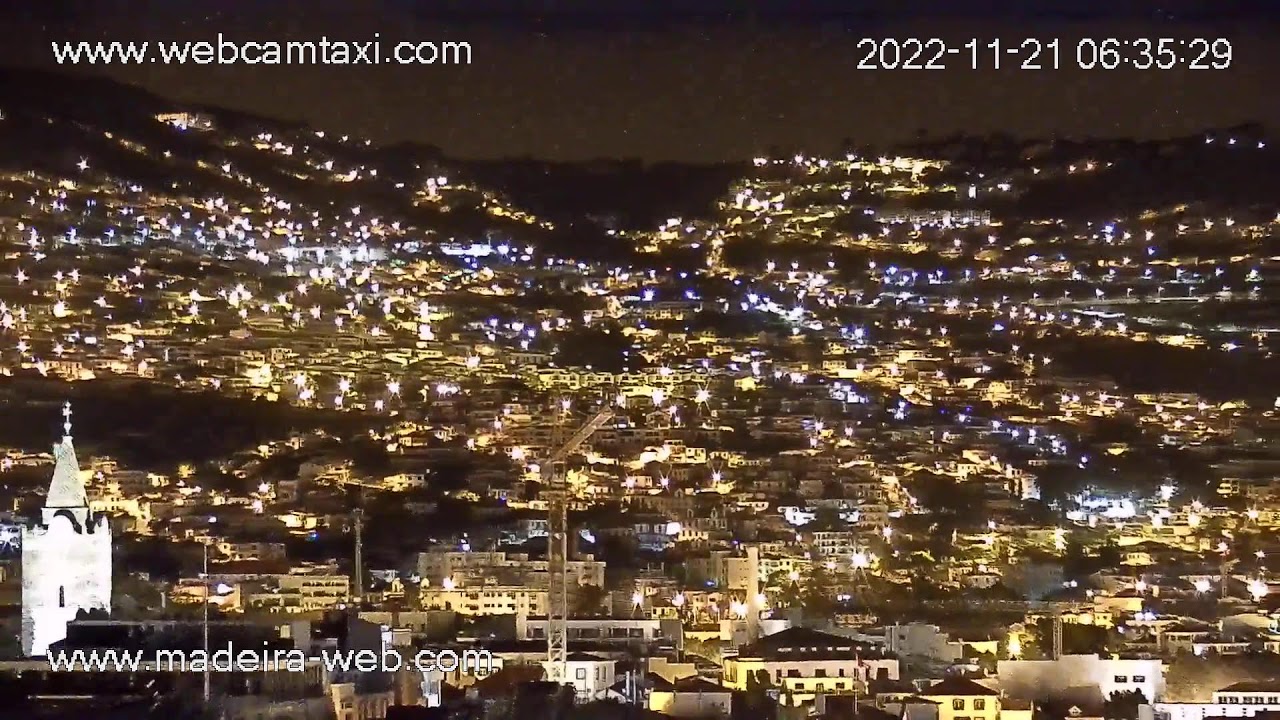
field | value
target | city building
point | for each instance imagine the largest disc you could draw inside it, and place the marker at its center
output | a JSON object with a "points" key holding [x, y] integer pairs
{"points": [[66, 557], [1239, 700], [929, 641], [689, 697], [590, 675], [806, 663], [1071, 676], [962, 699]]}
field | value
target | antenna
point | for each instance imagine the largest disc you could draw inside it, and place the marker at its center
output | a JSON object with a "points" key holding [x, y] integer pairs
{"points": [[1057, 633], [358, 595]]}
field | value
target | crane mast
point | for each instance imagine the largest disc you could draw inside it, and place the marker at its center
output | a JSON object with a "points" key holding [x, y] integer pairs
{"points": [[553, 474]]}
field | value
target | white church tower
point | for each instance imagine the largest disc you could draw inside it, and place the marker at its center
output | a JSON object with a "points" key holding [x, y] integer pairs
{"points": [[66, 557]]}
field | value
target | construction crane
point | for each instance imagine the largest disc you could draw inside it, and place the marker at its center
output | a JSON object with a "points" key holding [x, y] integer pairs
{"points": [[1055, 610], [553, 478]]}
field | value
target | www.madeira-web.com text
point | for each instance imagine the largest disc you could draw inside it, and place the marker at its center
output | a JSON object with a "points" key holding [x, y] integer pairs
{"points": [[229, 659]]}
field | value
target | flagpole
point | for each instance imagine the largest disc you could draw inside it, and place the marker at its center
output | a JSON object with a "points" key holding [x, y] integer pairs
{"points": [[207, 688], [857, 664]]}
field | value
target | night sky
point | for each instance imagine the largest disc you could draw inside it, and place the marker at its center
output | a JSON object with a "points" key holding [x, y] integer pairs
{"points": [[698, 80]]}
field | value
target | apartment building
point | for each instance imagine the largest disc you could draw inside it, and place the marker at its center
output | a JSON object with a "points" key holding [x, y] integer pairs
{"points": [[806, 663], [485, 599]]}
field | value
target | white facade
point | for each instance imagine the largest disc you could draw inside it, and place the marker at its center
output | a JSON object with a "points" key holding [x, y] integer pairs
{"points": [[349, 704], [720, 567], [1200, 711], [604, 630], [301, 592], [590, 675], [1043, 679], [807, 663], [695, 698], [922, 640], [66, 558], [1249, 693], [960, 699], [486, 600], [945, 218], [437, 564], [186, 120]]}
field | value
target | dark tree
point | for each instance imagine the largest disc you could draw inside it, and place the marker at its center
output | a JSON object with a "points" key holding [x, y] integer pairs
{"points": [[589, 600], [817, 593], [1077, 639], [602, 348], [756, 702], [1109, 555], [1123, 705]]}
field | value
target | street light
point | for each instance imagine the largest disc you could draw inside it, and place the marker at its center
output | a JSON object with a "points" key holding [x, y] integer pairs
{"points": [[1258, 589]]}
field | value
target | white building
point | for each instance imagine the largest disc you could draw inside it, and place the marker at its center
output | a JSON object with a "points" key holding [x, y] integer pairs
{"points": [[486, 599], [929, 641], [689, 698], [66, 557], [509, 568], [1201, 711], [1241, 700], [944, 218], [186, 120], [807, 663], [591, 675], [597, 630], [300, 590], [115, 503], [1051, 679], [962, 699], [722, 568]]}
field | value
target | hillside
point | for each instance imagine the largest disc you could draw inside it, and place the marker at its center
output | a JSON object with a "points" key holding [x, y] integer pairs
{"points": [[241, 157]]}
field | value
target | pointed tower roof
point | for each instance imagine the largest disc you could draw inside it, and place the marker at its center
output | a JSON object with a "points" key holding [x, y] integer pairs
{"points": [[66, 490]]}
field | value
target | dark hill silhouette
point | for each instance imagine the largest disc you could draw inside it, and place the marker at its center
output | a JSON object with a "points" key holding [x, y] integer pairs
{"points": [[1179, 172], [52, 119], [653, 192]]}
